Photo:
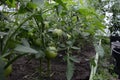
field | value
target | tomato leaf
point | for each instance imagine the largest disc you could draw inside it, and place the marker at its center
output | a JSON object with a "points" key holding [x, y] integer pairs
{"points": [[11, 3], [2, 34], [70, 43], [22, 9], [25, 49], [40, 54], [39, 17], [61, 3], [74, 59], [76, 48], [31, 5], [25, 42], [70, 69], [39, 3]]}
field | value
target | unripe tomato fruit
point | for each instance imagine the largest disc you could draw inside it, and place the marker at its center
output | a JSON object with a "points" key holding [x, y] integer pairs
{"points": [[8, 70], [30, 34], [46, 24], [57, 32], [51, 52], [38, 41]]}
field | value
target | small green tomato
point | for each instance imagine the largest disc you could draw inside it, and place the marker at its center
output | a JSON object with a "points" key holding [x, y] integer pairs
{"points": [[57, 32], [38, 41], [46, 24], [8, 70], [51, 52]]}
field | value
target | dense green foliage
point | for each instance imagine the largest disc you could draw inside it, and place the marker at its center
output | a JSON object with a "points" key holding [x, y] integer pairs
{"points": [[29, 27]]}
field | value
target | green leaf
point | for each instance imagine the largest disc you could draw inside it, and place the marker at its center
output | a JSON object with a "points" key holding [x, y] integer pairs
{"points": [[3, 34], [22, 9], [25, 49], [85, 34], [76, 48], [39, 3], [11, 3], [6, 54], [58, 9], [61, 3], [25, 42], [74, 59], [39, 17], [70, 43], [12, 43], [65, 58], [31, 5], [81, 2], [70, 69], [40, 54]]}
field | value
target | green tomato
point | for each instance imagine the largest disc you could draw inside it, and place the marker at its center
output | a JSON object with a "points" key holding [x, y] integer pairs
{"points": [[8, 70], [57, 32], [51, 52], [46, 24], [30, 34], [38, 41]]}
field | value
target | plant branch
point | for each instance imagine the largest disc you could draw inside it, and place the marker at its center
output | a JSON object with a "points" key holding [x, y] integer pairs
{"points": [[19, 26]]}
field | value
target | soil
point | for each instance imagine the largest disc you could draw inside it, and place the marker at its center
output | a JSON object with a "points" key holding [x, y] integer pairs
{"points": [[25, 69]]}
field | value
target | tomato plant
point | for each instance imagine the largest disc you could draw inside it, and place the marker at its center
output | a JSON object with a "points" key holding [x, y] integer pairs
{"points": [[44, 27]]}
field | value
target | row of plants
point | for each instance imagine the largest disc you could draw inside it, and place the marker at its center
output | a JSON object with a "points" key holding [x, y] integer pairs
{"points": [[106, 70], [43, 28]]}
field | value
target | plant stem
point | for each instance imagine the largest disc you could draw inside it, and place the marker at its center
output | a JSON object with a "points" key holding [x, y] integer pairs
{"points": [[43, 29], [94, 68], [11, 61], [48, 67], [38, 26], [40, 68], [19, 26], [1, 45]]}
